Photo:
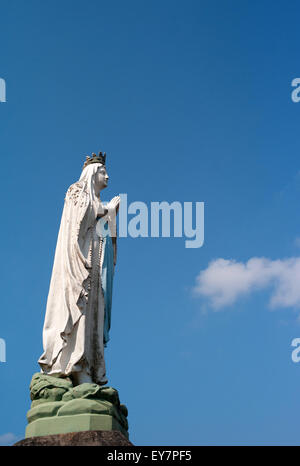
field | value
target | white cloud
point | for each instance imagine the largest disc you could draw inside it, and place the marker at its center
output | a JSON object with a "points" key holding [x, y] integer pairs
{"points": [[8, 439], [223, 282]]}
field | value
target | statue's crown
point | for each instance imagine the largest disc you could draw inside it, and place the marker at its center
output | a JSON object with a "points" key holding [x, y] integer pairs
{"points": [[100, 158]]}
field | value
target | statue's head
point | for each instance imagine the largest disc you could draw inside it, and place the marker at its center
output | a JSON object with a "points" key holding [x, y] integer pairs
{"points": [[100, 177], [94, 171]]}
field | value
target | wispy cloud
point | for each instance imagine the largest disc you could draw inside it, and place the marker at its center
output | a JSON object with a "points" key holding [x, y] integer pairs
{"points": [[8, 439], [223, 282]]}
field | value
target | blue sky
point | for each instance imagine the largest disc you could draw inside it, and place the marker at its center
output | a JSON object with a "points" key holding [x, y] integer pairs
{"points": [[192, 102]]}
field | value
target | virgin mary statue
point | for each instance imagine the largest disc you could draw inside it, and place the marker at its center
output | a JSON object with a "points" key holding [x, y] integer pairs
{"points": [[78, 312]]}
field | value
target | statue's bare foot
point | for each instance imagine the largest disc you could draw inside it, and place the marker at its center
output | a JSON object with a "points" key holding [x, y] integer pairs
{"points": [[103, 381], [81, 377]]}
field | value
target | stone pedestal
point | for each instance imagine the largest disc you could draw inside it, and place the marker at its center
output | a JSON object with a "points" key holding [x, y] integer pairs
{"points": [[60, 408], [88, 439], [74, 423]]}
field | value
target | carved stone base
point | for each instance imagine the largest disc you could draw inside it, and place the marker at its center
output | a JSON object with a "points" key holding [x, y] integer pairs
{"points": [[59, 408], [88, 438], [74, 423]]}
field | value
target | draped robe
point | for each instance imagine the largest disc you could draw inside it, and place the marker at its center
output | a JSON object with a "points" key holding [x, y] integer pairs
{"points": [[77, 320]]}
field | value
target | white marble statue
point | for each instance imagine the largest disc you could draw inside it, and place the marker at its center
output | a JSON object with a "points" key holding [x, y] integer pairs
{"points": [[77, 320]]}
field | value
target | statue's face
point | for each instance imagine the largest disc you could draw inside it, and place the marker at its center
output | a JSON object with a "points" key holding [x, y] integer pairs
{"points": [[101, 177]]}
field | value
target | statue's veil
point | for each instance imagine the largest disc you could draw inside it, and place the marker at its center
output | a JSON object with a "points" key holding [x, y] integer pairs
{"points": [[70, 270], [87, 175]]}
